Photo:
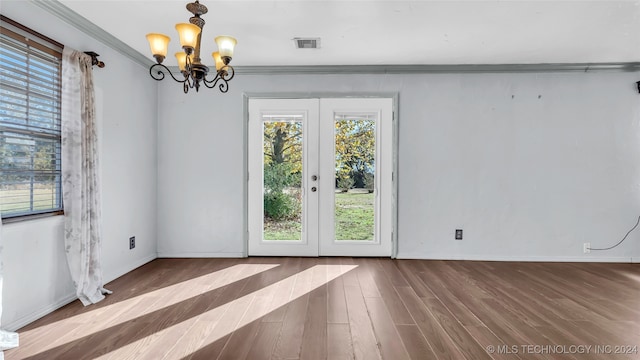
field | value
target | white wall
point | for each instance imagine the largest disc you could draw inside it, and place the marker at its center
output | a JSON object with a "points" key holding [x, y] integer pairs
{"points": [[530, 165], [36, 277]]}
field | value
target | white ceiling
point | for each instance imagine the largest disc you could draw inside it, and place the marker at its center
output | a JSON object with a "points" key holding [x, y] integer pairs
{"points": [[389, 32]]}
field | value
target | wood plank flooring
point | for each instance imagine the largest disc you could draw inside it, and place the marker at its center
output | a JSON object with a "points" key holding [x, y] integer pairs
{"points": [[350, 308]]}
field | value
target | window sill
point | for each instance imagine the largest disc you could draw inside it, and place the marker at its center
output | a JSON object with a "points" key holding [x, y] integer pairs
{"points": [[16, 219]]}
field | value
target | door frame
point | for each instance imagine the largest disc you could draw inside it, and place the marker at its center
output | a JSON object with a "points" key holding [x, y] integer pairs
{"points": [[394, 148]]}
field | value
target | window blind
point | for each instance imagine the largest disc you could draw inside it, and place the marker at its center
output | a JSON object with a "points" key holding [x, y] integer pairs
{"points": [[30, 128]]}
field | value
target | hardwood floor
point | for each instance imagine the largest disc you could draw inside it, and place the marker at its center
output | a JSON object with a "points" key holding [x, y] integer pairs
{"points": [[346, 308]]}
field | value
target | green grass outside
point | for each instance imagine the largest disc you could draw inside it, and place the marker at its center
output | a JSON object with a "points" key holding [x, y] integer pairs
{"points": [[354, 216], [354, 220], [283, 230], [17, 200]]}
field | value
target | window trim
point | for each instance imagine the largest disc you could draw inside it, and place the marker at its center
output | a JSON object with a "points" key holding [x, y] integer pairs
{"points": [[32, 42], [21, 33]]}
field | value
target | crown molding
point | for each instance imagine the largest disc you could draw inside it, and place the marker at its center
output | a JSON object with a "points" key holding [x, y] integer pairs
{"points": [[71, 17], [66, 14], [435, 69], [428, 69]]}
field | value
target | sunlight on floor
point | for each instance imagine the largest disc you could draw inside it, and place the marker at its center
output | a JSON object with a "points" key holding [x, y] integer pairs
{"points": [[85, 324], [187, 337], [633, 276]]}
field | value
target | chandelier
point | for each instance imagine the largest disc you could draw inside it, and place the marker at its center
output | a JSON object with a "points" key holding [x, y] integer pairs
{"points": [[189, 61]]}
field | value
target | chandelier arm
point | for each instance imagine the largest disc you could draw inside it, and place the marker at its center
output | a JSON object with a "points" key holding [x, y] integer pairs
{"points": [[228, 69], [159, 76], [226, 73], [224, 85], [211, 83]]}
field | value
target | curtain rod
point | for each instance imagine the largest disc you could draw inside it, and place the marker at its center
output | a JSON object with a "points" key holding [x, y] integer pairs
{"points": [[94, 59]]}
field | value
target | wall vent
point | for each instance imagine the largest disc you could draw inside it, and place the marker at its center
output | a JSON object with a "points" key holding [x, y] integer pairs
{"points": [[307, 43]]}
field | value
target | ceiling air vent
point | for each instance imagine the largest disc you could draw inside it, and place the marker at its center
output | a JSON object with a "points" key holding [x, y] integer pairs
{"points": [[307, 43]]}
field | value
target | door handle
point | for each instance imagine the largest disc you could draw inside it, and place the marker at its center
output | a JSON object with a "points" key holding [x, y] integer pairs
{"points": [[314, 189], [314, 177]]}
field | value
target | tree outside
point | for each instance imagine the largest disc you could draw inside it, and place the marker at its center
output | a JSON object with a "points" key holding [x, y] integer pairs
{"points": [[355, 153], [282, 149], [355, 169], [355, 149]]}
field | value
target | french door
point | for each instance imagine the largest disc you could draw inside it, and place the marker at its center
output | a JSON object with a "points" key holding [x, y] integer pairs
{"points": [[320, 177]]}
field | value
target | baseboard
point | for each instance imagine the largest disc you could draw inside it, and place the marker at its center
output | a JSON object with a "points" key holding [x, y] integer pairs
{"points": [[201, 255], [23, 321], [127, 269], [616, 259]]}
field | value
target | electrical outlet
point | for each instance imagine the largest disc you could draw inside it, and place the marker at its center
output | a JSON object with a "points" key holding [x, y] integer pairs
{"points": [[458, 234], [132, 242], [586, 248]]}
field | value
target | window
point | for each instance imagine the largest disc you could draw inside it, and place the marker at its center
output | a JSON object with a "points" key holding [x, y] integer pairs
{"points": [[30, 134]]}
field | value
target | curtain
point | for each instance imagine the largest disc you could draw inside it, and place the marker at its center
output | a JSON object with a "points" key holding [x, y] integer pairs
{"points": [[80, 181], [8, 339]]}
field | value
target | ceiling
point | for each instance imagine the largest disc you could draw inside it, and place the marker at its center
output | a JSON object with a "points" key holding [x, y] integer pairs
{"points": [[388, 32]]}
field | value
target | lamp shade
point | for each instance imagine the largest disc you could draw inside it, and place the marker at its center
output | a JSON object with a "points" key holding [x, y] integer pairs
{"points": [[218, 60], [226, 45], [188, 35], [182, 60], [158, 44]]}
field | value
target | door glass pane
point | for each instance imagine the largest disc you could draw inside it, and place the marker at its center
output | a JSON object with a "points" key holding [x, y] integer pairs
{"points": [[282, 170], [355, 168]]}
